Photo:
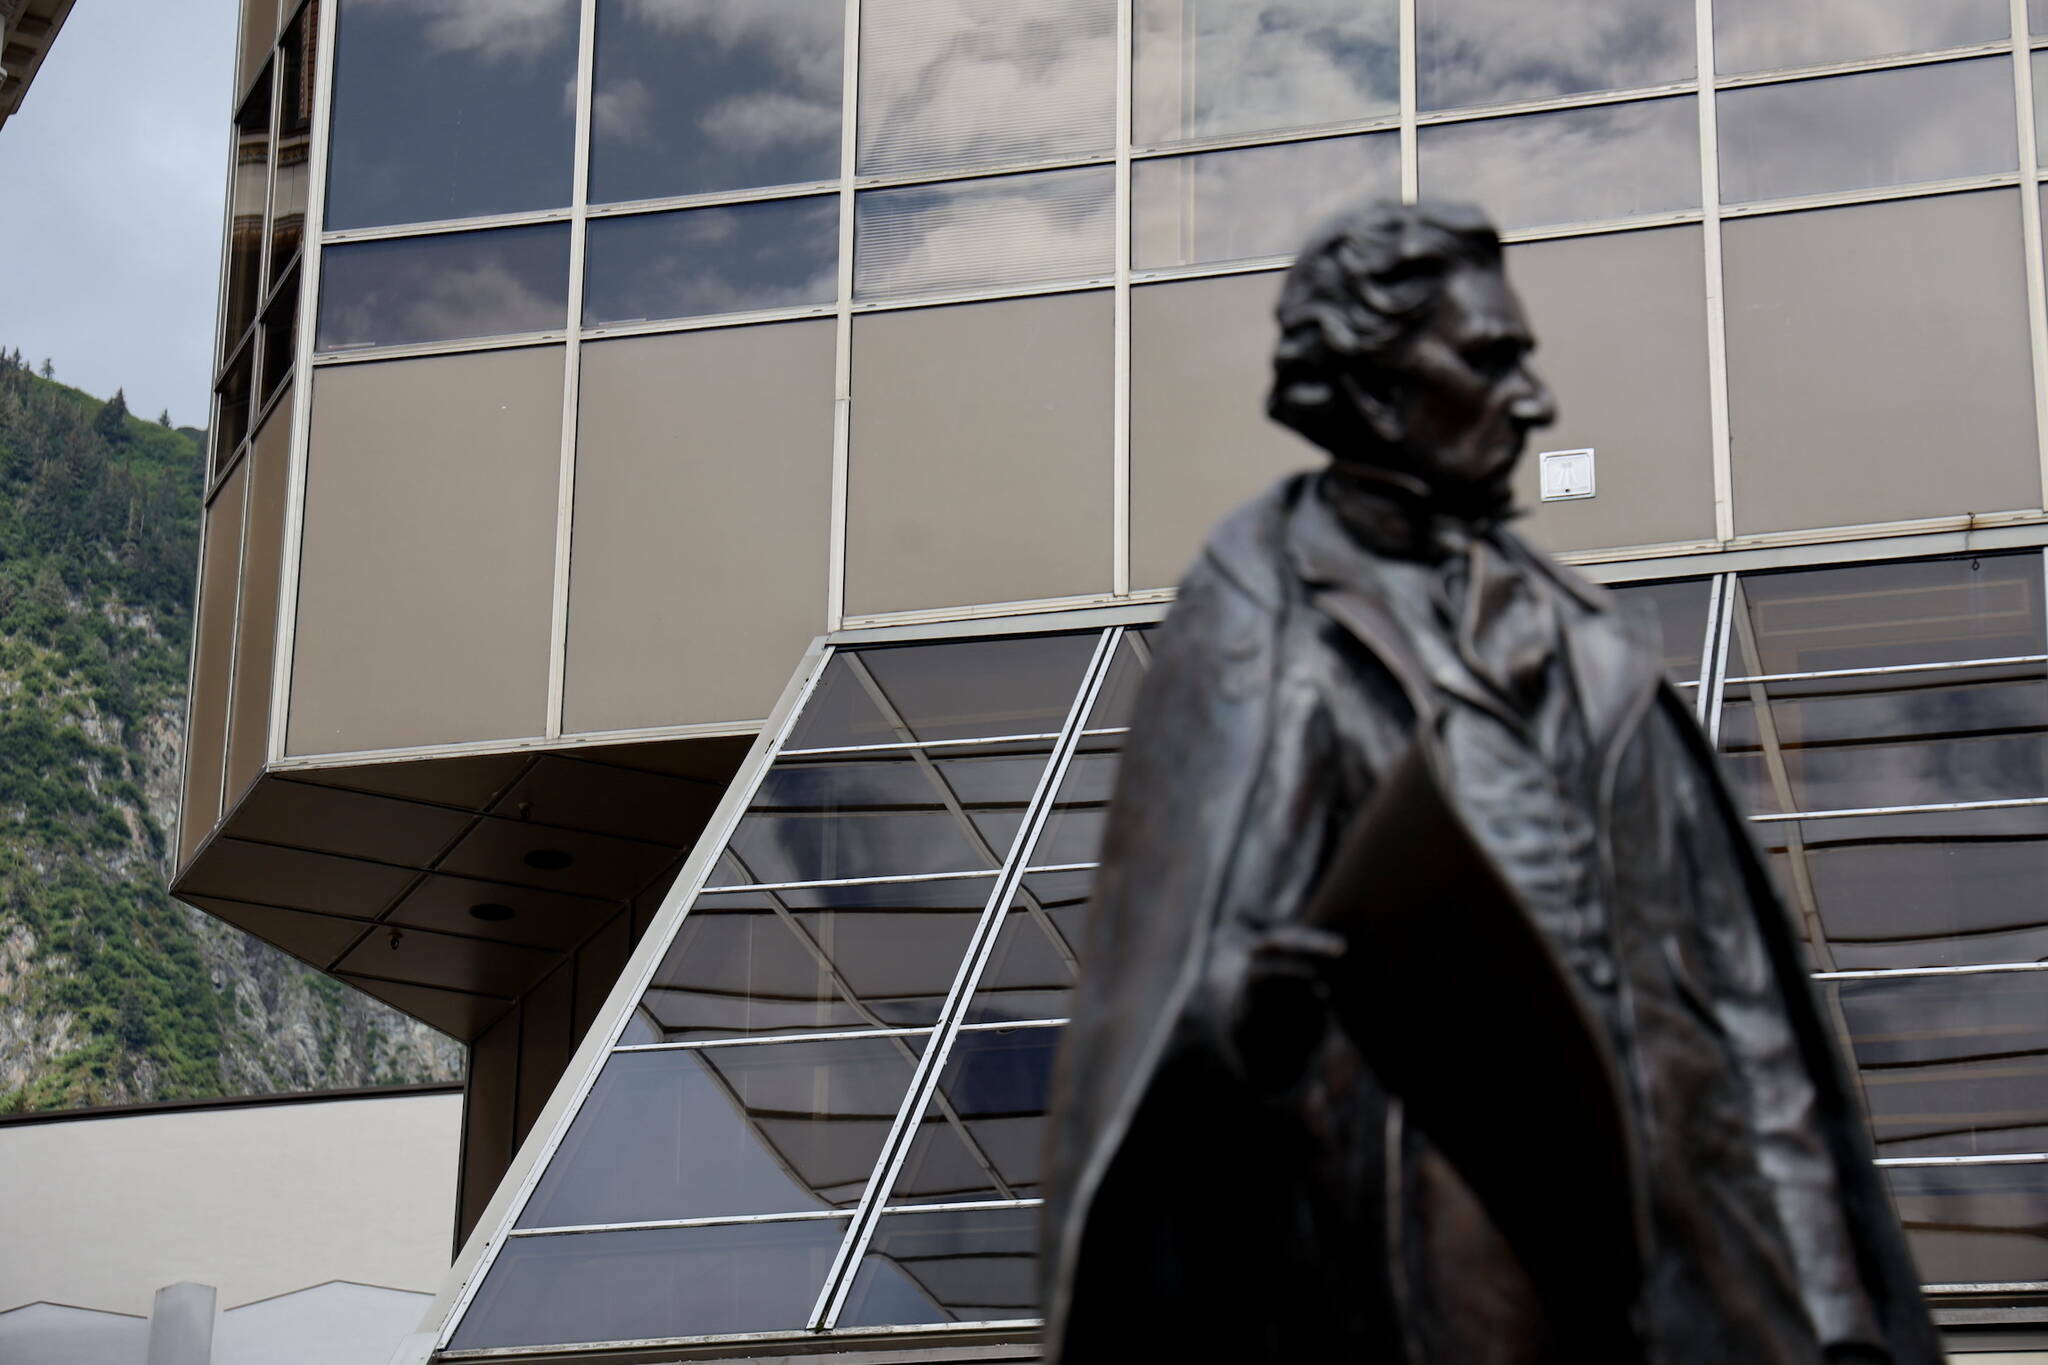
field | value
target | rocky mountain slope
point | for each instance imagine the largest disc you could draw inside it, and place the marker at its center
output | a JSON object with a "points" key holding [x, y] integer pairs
{"points": [[110, 991]]}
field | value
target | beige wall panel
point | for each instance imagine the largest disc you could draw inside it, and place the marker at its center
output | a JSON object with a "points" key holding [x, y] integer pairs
{"points": [[980, 467], [703, 501], [213, 647], [1621, 332], [426, 579], [256, 1200], [1201, 362], [1877, 363], [262, 557]]}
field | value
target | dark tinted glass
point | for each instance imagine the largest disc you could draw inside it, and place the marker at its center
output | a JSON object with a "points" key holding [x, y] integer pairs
{"points": [[1674, 615], [1895, 739], [1472, 52], [1876, 128], [667, 1282], [1950, 1065], [1073, 828], [981, 1135], [1883, 615], [280, 337], [1975, 1224], [883, 815], [1118, 695], [444, 288], [975, 234], [450, 109], [1933, 889], [1023, 685], [1213, 68], [699, 97], [782, 253], [245, 212], [1030, 972], [799, 961], [1755, 35], [963, 84], [294, 140], [232, 414], [963, 1266], [1572, 166], [719, 1131], [1250, 202]]}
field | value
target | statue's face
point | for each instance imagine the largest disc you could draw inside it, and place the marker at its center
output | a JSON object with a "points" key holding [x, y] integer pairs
{"points": [[1458, 403]]}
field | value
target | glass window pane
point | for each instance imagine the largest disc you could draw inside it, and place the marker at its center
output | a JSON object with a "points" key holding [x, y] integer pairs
{"points": [[1758, 35], [981, 1135], [959, 83], [245, 214], [1576, 165], [1895, 739], [782, 253], [1950, 1065], [1031, 970], [1911, 611], [2037, 16], [1930, 889], [884, 815], [1250, 202], [970, 1265], [1215, 68], [1675, 616], [652, 1284], [1876, 128], [1073, 827], [232, 417], [718, 1131], [2040, 74], [843, 957], [450, 110], [1118, 695], [1974, 1224], [1472, 52], [700, 97], [973, 689], [280, 339], [977, 234], [444, 288], [294, 140]]}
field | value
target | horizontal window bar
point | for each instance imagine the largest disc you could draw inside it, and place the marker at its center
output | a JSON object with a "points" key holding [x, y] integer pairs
{"points": [[691, 201], [2018, 1159], [898, 880], [1061, 867], [1588, 100], [1890, 62], [971, 1206], [1981, 969], [1999, 1287], [654, 1224], [1886, 669], [1006, 1025], [2011, 803], [761, 1040], [916, 744]]}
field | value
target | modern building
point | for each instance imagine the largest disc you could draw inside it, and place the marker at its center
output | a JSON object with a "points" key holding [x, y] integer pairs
{"points": [[27, 28], [691, 479]]}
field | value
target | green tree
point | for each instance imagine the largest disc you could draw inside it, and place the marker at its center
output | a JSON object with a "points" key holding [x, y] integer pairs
{"points": [[163, 419], [49, 370], [111, 425]]}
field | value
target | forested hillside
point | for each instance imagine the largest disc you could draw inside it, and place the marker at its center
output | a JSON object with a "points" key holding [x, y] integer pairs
{"points": [[110, 991]]}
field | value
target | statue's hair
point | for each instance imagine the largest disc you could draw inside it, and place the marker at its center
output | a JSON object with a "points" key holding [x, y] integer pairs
{"points": [[1360, 287]]}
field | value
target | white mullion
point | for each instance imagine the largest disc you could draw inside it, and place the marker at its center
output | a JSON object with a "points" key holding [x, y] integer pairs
{"points": [[1722, 454], [1120, 362], [572, 374], [302, 377], [1411, 172], [842, 343], [2030, 228]]}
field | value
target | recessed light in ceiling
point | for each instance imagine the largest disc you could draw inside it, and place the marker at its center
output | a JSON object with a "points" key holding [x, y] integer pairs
{"points": [[491, 912], [549, 859]]}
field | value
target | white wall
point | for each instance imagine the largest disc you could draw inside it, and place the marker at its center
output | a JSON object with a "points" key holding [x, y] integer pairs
{"points": [[258, 1201]]}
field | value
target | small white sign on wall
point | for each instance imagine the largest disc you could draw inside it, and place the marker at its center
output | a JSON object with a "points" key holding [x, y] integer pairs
{"points": [[1565, 474]]}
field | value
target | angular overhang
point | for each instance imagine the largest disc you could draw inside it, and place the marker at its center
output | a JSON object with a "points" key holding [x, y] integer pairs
{"points": [[27, 28]]}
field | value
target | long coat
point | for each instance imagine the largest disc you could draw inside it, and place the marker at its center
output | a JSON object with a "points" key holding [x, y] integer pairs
{"points": [[1189, 1207]]}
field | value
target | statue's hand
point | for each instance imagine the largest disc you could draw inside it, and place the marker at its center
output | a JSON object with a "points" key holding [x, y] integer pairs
{"points": [[1282, 1007]]}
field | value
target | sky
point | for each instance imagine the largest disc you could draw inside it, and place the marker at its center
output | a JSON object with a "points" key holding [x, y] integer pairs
{"points": [[112, 183]]}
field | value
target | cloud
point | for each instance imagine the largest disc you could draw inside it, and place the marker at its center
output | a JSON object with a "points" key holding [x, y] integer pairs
{"points": [[1243, 68], [1014, 229], [494, 30], [623, 110]]}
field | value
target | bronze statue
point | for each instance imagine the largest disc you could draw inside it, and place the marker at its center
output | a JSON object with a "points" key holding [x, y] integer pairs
{"points": [[1437, 1007]]}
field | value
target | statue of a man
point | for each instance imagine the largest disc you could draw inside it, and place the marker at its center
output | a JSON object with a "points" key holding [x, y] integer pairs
{"points": [[1437, 1008]]}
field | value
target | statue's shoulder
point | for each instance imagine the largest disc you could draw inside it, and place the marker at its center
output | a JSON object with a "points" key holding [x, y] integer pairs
{"points": [[1246, 554]]}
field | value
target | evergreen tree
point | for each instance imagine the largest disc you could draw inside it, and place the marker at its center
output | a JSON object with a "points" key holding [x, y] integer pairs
{"points": [[112, 424], [163, 419], [49, 370]]}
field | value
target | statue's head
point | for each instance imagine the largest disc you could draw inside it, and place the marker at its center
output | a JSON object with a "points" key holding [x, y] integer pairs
{"points": [[1403, 349]]}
